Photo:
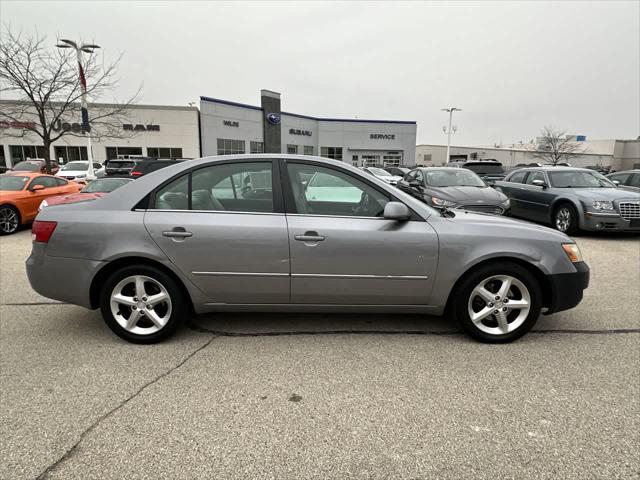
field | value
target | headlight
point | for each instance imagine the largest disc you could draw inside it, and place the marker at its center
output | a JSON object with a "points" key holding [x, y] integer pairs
{"points": [[602, 205], [572, 251], [442, 203], [506, 203], [43, 204]]}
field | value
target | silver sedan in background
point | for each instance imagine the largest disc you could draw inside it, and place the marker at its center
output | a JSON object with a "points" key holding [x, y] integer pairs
{"points": [[270, 232]]}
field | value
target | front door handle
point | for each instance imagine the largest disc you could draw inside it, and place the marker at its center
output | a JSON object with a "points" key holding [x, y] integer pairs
{"points": [[309, 237], [177, 232]]}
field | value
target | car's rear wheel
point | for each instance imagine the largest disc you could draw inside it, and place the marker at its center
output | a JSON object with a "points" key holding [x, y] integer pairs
{"points": [[498, 303], [9, 220], [565, 219], [142, 304]]}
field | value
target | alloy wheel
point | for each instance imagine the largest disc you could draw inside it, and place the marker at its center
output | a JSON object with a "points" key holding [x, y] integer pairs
{"points": [[563, 219], [141, 305], [8, 220], [499, 304]]}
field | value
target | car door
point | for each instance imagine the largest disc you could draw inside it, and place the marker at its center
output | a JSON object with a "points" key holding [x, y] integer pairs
{"points": [[537, 200], [342, 251], [33, 198], [513, 188], [223, 226]]}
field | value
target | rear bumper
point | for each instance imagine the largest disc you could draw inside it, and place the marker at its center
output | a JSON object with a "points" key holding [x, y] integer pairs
{"points": [[567, 288], [65, 279]]}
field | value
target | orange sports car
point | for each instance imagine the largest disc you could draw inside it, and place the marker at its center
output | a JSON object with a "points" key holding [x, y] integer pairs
{"points": [[21, 194]]}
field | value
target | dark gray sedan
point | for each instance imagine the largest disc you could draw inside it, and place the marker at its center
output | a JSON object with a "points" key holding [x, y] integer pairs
{"points": [[627, 180], [571, 199], [453, 188]]}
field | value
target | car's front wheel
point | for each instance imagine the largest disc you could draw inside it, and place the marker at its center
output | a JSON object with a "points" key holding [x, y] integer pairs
{"points": [[565, 219], [142, 304], [498, 303], [9, 220]]}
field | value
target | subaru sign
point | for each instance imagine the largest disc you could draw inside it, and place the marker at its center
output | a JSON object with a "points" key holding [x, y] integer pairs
{"points": [[273, 118]]}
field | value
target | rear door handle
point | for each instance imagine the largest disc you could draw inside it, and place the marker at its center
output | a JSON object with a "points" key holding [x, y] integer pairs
{"points": [[309, 237], [177, 232]]}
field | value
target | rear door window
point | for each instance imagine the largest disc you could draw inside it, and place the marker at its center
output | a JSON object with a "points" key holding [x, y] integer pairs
{"points": [[518, 177], [535, 176]]}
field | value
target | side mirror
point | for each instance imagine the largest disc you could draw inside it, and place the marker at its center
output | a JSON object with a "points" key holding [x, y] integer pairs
{"points": [[415, 183], [36, 188], [539, 183], [396, 211], [616, 182]]}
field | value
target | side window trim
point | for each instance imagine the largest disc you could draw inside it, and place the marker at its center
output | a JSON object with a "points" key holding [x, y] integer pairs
{"points": [[149, 202], [289, 202]]}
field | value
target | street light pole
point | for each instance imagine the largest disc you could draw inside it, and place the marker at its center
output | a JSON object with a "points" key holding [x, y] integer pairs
{"points": [[450, 110], [86, 128]]}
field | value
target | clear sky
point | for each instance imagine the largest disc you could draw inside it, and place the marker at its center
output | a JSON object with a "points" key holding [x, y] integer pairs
{"points": [[512, 67]]}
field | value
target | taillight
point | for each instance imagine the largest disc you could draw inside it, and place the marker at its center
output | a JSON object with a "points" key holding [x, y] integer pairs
{"points": [[136, 174], [42, 231]]}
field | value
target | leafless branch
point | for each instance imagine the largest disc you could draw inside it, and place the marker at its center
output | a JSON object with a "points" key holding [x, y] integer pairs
{"points": [[44, 86]]}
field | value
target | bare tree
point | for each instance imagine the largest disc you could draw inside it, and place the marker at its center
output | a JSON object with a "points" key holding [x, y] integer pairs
{"points": [[555, 146], [45, 89]]}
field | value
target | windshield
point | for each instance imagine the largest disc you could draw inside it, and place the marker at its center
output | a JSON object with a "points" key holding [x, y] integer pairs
{"points": [[12, 184], [26, 167], [75, 166], [379, 172], [453, 178], [105, 185], [579, 179], [485, 168]]}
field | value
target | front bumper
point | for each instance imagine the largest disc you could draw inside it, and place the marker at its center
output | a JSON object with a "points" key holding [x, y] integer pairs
{"points": [[567, 288], [598, 221]]}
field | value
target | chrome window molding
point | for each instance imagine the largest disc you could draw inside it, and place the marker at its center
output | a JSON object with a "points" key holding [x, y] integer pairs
{"points": [[228, 212]]}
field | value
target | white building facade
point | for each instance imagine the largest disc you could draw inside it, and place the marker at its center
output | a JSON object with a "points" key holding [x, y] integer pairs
{"points": [[150, 130], [616, 154], [230, 128]]}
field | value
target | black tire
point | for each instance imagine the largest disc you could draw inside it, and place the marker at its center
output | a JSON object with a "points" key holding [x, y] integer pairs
{"points": [[7, 227], [572, 227], [179, 304], [463, 292]]}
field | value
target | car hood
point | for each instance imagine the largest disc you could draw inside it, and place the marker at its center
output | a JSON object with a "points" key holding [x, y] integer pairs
{"points": [[502, 222], [601, 193], [467, 194], [71, 173], [74, 198], [389, 178]]}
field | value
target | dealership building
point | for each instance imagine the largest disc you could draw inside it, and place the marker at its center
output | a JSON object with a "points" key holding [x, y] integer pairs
{"points": [[147, 130], [615, 154], [228, 127]]}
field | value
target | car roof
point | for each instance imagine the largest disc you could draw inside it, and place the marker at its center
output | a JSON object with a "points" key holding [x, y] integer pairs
{"points": [[453, 169], [631, 170]]}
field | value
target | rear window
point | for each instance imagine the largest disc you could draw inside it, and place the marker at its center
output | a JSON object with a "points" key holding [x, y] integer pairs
{"points": [[484, 168], [120, 164], [27, 166]]}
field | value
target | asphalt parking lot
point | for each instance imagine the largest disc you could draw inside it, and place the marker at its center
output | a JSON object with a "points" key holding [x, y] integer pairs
{"points": [[323, 396]]}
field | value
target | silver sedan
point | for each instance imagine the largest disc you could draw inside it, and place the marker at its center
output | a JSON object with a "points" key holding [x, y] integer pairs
{"points": [[295, 233]]}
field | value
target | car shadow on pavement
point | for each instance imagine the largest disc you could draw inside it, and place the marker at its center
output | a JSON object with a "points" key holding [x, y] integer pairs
{"points": [[263, 324]]}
